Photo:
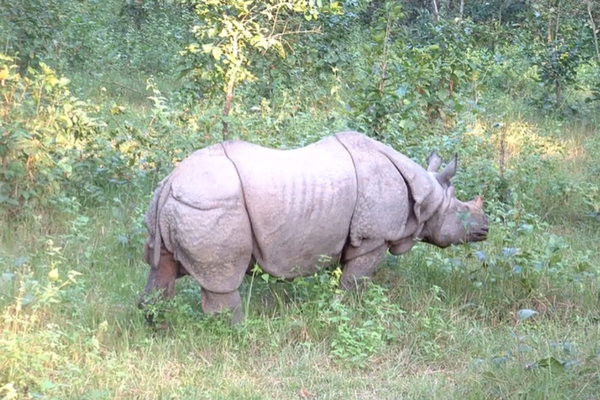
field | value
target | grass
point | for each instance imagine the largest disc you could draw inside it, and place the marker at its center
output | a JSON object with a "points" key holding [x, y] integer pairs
{"points": [[436, 324], [442, 346]]}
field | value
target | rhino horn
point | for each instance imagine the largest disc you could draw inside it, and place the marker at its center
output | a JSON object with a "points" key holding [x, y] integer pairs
{"points": [[448, 171], [478, 201], [433, 162]]}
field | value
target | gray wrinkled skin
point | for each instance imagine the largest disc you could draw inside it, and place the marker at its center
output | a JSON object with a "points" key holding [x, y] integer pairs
{"points": [[347, 197]]}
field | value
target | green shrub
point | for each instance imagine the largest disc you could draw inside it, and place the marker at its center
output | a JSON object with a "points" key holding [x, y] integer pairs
{"points": [[43, 126]]}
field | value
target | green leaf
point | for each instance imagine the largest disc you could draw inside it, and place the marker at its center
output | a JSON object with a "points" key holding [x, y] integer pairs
{"points": [[47, 385], [217, 53], [525, 314], [556, 366], [20, 261], [443, 94], [7, 276], [491, 376], [27, 299], [62, 82]]}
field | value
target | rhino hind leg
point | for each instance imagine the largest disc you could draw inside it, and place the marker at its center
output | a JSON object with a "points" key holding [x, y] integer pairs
{"points": [[361, 267], [216, 302], [162, 280]]}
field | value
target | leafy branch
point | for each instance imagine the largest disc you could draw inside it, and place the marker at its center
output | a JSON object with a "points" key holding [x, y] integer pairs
{"points": [[231, 30]]}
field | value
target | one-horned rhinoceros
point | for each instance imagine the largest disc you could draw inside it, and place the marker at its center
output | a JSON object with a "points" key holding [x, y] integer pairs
{"points": [[347, 197]]}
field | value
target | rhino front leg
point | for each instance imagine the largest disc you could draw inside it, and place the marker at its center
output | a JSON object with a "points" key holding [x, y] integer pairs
{"points": [[215, 302], [361, 262]]}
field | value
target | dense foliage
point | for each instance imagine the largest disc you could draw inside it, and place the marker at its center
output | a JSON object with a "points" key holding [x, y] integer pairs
{"points": [[100, 99]]}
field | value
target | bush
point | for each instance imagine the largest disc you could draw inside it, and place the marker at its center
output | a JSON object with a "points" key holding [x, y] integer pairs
{"points": [[43, 127]]}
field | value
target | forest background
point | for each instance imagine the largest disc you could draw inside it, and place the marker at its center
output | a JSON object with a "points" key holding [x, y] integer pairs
{"points": [[101, 99]]}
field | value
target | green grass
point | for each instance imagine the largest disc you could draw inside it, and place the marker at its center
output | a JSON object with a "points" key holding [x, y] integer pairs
{"points": [[436, 324], [442, 336]]}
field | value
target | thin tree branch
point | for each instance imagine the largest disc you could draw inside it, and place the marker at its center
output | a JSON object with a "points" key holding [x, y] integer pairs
{"points": [[557, 18], [593, 26]]}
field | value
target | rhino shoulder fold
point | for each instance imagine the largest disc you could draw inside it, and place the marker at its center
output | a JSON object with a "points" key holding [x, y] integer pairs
{"points": [[424, 190]]}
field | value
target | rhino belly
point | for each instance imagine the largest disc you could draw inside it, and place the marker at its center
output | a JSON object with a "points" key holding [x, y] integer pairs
{"points": [[300, 203]]}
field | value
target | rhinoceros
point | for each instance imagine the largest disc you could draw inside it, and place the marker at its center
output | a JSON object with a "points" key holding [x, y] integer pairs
{"points": [[347, 197]]}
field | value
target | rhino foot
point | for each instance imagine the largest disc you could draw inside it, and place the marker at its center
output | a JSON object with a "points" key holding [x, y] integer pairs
{"points": [[216, 302], [359, 269]]}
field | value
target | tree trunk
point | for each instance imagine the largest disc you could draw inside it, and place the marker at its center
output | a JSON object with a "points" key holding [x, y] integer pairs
{"points": [[549, 27], [462, 9], [227, 108], [231, 81], [557, 18], [436, 12], [593, 26], [558, 94]]}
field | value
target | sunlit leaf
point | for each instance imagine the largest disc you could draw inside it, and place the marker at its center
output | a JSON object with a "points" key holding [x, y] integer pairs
{"points": [[480, 255], [523, 348], [72, 274], [27, 299], [122, 239], [556, 366], [525, 313], [217, 52], [53, 275], [63, 82], [20, 261], [7, 276], [509, 251], [499, 360], [47, 385]]}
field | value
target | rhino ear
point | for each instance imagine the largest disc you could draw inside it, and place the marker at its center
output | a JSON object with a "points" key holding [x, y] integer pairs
{"points": [[433, 162], [448, 171]]}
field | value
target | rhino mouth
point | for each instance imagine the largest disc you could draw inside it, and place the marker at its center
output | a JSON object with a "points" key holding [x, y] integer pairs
{"points": [[478, 229], [478, 234]]}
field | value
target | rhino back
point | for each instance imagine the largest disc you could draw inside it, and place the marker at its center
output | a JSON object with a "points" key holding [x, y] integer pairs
{"points": [[300, 202]]}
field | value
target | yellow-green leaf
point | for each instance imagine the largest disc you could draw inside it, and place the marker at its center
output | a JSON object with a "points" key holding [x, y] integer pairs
{"points": [[53, 275], [217, 53]]}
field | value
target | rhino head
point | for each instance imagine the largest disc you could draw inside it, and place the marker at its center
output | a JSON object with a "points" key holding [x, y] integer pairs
{"points": [[454, 221]]}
